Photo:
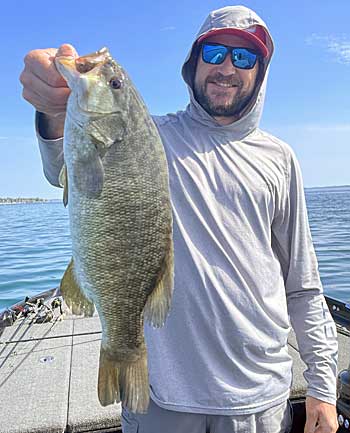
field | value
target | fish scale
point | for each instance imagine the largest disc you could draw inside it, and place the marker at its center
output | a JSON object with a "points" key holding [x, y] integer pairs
{"points": [[120, 219]]}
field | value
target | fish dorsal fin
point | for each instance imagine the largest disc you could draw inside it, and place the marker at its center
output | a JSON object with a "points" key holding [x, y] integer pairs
{"points": [[63, 181]]}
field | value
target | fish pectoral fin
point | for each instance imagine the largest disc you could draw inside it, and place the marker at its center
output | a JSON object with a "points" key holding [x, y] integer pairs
{"points": [[158, 302], [88, 177], [73, 296], [125, 381], [63, 181]]}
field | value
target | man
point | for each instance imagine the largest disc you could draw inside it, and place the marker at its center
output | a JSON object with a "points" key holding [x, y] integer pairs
{"points": [[244, 257]]}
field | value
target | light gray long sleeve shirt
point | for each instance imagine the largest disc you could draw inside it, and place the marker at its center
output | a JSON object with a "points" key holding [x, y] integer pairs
{"points": [[245, 265]]}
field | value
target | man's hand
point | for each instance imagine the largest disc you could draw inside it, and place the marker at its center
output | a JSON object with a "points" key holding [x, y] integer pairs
{"points": [[321, 417], [44, 87]]}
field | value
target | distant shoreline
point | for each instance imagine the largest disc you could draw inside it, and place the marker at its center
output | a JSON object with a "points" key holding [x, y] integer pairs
{"points": [[21, 200], [329, 187]]}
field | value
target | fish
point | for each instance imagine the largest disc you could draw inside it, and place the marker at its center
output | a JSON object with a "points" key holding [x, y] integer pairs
{"points": [[116, 185]]}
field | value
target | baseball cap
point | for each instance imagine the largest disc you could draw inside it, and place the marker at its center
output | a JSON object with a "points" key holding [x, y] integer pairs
{"points": [[253, 34]]}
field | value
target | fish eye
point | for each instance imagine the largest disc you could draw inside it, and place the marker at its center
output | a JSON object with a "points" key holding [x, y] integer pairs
{"points": [[115, 83]]}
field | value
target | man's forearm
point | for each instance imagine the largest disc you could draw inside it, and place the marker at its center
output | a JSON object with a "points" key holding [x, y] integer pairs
{"points": [[50, 127], [317, 341], [51, 151]]}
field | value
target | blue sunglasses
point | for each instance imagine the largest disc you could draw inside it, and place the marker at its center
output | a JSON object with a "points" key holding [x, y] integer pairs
{"points": [[242, 58]]}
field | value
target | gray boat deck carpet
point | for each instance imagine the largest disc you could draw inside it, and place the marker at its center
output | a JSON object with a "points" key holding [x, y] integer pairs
{"points": [[48, 377]]}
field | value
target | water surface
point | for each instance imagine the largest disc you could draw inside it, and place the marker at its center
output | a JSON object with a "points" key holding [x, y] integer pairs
{"points": [[35, 245]]}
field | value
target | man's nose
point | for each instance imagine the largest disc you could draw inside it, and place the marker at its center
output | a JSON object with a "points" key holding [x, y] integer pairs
{"points": [[226, 66]]}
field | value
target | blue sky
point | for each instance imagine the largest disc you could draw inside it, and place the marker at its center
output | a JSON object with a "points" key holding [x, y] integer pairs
{"points": [[307, 103]]}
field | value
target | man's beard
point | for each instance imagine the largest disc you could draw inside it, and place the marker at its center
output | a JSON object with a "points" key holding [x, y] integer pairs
{"points": [[233, 108]]}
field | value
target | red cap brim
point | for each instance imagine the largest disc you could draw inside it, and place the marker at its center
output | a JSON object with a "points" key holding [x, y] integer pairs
{"points": [[257, 37]]}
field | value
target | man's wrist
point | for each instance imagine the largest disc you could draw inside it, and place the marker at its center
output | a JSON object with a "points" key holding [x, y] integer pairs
{"points": [[50, 127]]}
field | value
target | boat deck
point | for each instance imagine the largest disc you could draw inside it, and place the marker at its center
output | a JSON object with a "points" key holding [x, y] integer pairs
{"points": [[48, 377]]}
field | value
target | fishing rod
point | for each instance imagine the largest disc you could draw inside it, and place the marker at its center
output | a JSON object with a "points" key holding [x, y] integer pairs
{"points": [[29, 307], [30, 311], [51, 337], [35, 310]]}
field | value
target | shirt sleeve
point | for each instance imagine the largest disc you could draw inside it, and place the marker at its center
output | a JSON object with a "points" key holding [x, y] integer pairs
{"points": [[309, 315], [51, 152]]}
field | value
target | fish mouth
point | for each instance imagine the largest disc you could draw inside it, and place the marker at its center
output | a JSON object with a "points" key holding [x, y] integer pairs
{"points": [[88, 62]]}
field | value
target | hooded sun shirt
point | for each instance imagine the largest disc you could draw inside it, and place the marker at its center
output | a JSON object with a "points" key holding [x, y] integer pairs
{"points": [[245, 266]]}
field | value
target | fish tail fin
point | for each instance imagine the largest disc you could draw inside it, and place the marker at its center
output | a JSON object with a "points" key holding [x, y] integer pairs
{"points": [[108, 380], [125, 381], [158, 302], [134, 385], [73, 295]]}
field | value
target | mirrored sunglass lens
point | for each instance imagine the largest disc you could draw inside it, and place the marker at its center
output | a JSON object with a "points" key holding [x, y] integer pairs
{"points": [[214, 54], [242, 58]]}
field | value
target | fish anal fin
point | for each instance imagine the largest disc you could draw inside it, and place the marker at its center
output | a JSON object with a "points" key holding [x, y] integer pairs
{"points": [[125, 381], [158, 302], [73, 295]]}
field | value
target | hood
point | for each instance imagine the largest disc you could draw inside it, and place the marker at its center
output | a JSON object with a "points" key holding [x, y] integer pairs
{"points": [[234, 17]]}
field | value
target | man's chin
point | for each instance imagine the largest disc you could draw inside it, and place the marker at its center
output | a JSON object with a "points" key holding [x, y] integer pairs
{"points": [[222, 113], [222, 98], [221, 103], [228, 108], [222, 110]]}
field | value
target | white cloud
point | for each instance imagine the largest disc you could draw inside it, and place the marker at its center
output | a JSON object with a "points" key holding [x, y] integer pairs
{"points": [[337, 45], [167, 28]]}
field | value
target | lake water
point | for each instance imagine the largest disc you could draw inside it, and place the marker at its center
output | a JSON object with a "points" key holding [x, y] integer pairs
{"points": [[35, 244]]}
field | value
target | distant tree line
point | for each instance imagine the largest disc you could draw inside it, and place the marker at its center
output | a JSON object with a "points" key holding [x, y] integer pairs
{"points": [[6, 200]]}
